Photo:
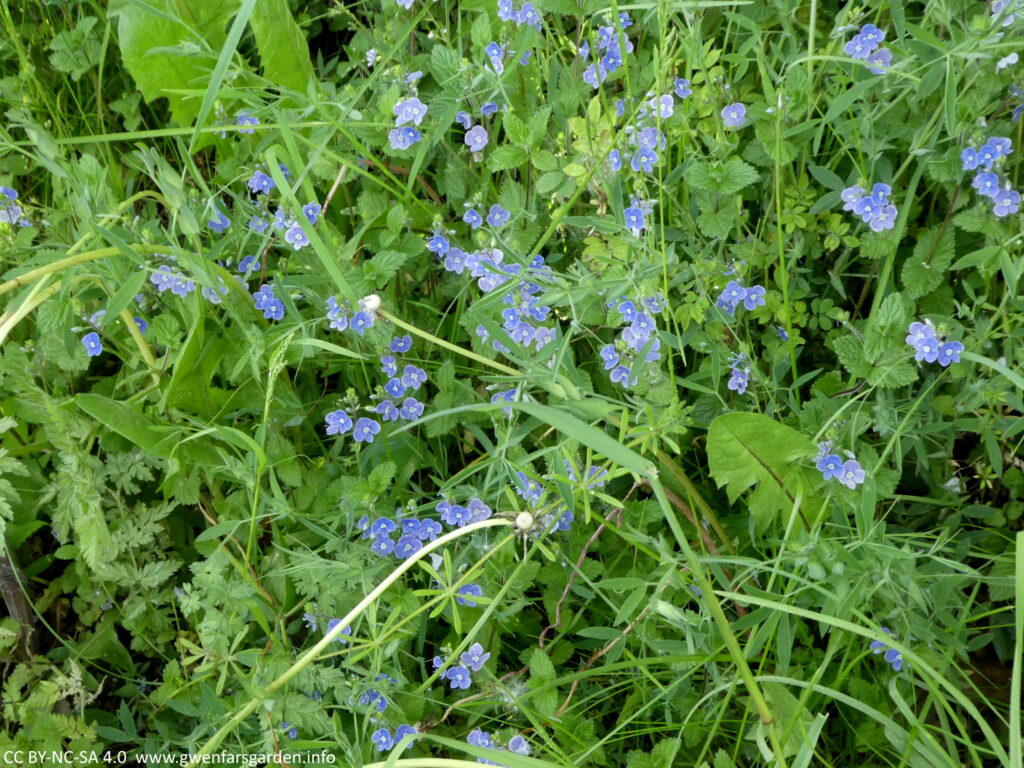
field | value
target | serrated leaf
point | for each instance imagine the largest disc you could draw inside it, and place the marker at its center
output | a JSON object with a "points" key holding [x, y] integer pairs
{"points": [[924, 271], [444, 64], [382, 267], [850, 350], [750, 450], [505, 157], [893, 375], [724, 178], [717, 224]]}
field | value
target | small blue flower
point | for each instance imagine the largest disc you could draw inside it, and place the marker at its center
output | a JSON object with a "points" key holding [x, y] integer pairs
{"points": [[311, 212], [518, 745], [473, 218], [682, 89], [635, 221], [410, 111], [1006, 201], [361, 321], [292, 731], [407, 546], [346, 632], [734, 115], [615, 161], [528, 15], [476, 138], [260, 183], [296, 237], [382, 546], [927, 349], [463, 594], [386, 410], [754, 297], [395, 387], [830, 466], [475, 657], [365, 429], [969, 158], [336, 315], [383, 526], [382, 736], [507, 11], [244, 118], [219, 223], [142, 324], [93, 345], [389, 366], [488, 109], [879, 61], [644, 159], [462, 118], [338, 422], [620, 375], [413, 377], [987, 184], [401, 344], [738, 380], [609, 356], [403, 138], [438, 243], [402, 731], [949, 353], [480, 738], [498, 216], [429, 529], [411, 409], [891, 655], [859, 47], [458, 677], [851, 475]]}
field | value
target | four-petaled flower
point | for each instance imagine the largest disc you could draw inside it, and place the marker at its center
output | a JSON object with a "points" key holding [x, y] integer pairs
{"points": [[476, 138], [458, 677], [93, 345], [365, 429], [475, 657], [734, 115]]}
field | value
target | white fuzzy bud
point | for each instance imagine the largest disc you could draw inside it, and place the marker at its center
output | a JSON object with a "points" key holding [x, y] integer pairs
{"points": [[524, 522]]}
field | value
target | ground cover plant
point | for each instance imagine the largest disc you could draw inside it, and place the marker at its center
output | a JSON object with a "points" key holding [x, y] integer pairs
{"points": [[555, 383]]}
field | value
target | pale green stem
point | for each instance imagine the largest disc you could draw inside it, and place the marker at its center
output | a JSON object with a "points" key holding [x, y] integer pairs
{"points": [[313, 653], [70, 261], [448, 345], [141, 343], [36, 297]]}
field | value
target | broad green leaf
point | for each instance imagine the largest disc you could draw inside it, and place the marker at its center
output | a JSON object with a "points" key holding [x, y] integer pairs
{"points": [[749, 450], [283, 51], [167, 55], [506, 157], [924, 271]]}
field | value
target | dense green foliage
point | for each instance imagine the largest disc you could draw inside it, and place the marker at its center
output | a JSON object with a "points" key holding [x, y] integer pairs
{"points": [[724, 437]]}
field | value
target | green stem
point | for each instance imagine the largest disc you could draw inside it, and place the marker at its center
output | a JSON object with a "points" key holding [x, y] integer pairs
{"points": [[81, 258], [314, 653]]}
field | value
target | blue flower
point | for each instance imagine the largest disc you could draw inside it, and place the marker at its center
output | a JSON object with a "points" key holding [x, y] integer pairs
{"points": [[438, 243], [969, 158], [382, 736], [311, 212], [338, 422], [407, 546], [386, 410], [525, 58], [429, 529], [528, 15], [410, 111], [851, 475], [891, 655], [413, 377], [926, 348], [219, 223], [489, 108], [296, 237], [247, 264], [1006, 201], [265, 301], [403, 138], [389, 367], [458, 677], [731, 296], [480, 738], [93, 345], [682, 89], [737, 381], [395, 387], [260, 183], [478, 510], [462, 596], [615, 161], [336, 315], [400, 344], [476, 138], [734, 115], [635, 221], [402, 731], [411, 409], [620, 375], [609, 356], [361, 321], [644, 159], [292, 731], [754, 297], [383, 526], [498, 216], [987, 184], [830, 466], [884, 218], [454, 515], [142, 324], [474, 658], [382, 546], [859, 47], [346, 632], [365, 429], [880, 61], [518, 745], [244, 118], [507, 11], [473, 218], [949, 353], [462, 118]]}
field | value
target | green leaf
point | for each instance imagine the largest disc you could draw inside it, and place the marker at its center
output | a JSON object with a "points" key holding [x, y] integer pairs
{"points": [[749, 450], [164, 54], [382, 267], [717, 224], [851, 354], [284, 53], [505, 157], [78, 50], [724, 178], [924, 271]]}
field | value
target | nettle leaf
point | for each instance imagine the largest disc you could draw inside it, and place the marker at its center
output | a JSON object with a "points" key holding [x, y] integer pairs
{"points": [[724, 178], [750, 450], [716, 224], [923, 272], [382, 267], [894, 374], [893, 316], [850, 350], [505, 157], [77, 51]]}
